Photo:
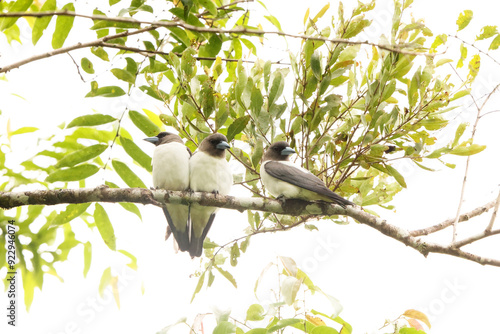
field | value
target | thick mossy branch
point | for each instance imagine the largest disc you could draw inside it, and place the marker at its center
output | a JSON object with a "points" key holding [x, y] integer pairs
{"points": [[158, 197]]}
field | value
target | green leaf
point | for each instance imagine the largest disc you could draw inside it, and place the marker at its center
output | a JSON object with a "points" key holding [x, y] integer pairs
{"points": [[133, 259], [468, 150], [91, 120], [102, 24], [99, 52], [23, 130], [228, 276], [394, 173], [443, 61], [136, 153], [289, 288], [276, 88], [87, 257], [282, 324], [321, 13], [224, 327], [87, 65], [464, 19], [144, 123], [474, 66], [105, 280], [255, 313], [72, 211], [77, 173], [63, 27], [210, 6], [237, 127], [18, 6], [495, 43], [127, 175], [104, 226], [41, 23], [316, 65], [123, 75], [324, 330], [198, 286], [274, 21], [487, 32], [131, 207], [82, 155], [108, 91], [460, 94]]}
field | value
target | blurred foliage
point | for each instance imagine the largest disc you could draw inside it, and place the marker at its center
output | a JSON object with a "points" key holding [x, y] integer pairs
{"points": [[287, 305], [350, 111]]}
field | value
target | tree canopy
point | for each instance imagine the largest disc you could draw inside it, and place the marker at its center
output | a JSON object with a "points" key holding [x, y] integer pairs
{"points": [[353, 105]]}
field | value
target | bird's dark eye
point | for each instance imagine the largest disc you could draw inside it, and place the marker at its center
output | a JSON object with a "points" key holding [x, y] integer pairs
{"points": [[213, 141]]}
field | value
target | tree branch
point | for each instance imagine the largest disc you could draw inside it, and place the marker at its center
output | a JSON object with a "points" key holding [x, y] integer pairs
{"points": [[10, 200], [239, 30], [97, 42]]}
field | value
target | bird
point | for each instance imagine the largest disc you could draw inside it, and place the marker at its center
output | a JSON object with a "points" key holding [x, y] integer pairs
{"points": [[284, 180], [209, 172], [171, 172]]}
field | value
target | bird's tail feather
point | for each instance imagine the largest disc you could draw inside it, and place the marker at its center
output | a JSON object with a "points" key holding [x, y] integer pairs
{"points": [[182, 238], [196, 244]]}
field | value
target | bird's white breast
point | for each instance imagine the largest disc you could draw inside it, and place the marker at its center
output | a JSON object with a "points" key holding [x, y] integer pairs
{"points": [[171, 167], [209, 174]]}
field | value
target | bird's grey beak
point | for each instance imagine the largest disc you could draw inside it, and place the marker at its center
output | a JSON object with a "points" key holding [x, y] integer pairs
{"points": [[287, 151], [152, 140], [223, 145]]}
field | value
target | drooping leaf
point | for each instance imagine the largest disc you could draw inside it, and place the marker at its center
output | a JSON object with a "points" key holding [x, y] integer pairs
{"points": [[87, 257], [71, 212], [136, 153], [107, 91], [41, 23], [127, 175], [63, 27], [82, 155], [91, 120], [144, 123], [87, 65], [468, 150], [104, 226], [394, 173], [17, 6], [255, 313], [77, 173], [464, 19], [237, 127]]}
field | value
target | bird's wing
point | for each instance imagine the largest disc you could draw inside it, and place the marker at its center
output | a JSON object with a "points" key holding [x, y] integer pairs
{"points": [[182, 238], [196, 247], [302, 179]]}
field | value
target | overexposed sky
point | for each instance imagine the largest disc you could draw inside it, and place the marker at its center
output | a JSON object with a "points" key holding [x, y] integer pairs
{"points": [[374, 277]]}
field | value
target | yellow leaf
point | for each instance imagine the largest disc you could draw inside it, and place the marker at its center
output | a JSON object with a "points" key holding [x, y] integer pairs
{"points": [[414, 314], [317, 321], [306, 16]]}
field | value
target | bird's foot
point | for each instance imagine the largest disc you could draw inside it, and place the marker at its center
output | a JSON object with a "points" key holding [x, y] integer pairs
{"points": [[281, 198], [216, 193]]}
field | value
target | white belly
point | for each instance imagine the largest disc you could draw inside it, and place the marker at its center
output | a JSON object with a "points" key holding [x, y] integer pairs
{"points": [[171, 167]]}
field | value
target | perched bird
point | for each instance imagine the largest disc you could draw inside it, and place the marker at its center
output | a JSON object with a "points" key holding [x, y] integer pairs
{"points": [[285, 180], [171, 172], [208, 172]]}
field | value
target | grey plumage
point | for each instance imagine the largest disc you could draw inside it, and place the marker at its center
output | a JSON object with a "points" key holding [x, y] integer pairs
{"points": [[283, 179]]}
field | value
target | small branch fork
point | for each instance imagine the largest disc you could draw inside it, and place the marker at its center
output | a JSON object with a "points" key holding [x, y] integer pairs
{"points": [[152, 25], [314, 210]]}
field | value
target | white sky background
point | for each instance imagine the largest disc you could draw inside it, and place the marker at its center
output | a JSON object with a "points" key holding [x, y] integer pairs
{"points": [[374, 277]]}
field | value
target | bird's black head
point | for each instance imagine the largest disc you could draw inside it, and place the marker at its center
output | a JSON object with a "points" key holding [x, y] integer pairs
{"points": [[164, 138], [216, 144], [279, 151]]}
